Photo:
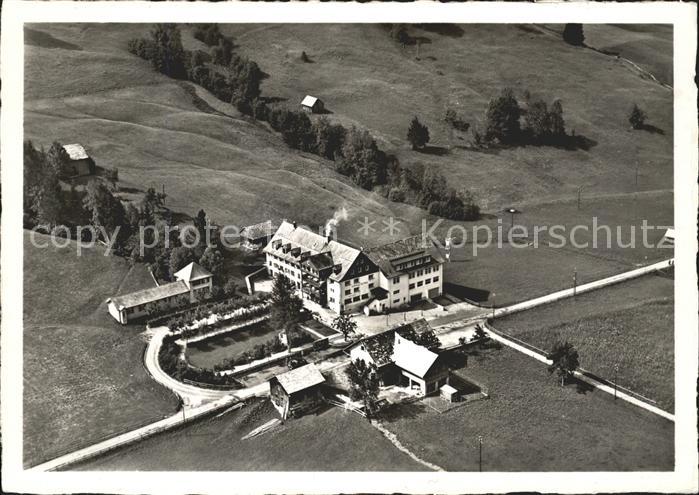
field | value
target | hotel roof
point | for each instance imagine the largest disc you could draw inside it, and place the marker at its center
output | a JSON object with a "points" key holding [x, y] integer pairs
{"points": [[296, 236], [387, 254]]}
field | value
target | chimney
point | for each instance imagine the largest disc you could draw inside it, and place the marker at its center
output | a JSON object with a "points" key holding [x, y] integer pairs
{"points": [[294, 224], [329, 235]]}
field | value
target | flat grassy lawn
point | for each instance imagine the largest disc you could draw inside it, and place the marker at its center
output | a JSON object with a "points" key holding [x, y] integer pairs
{"points": [[511, 273], [504, 275], [210, 352], [334, 440], [83, 374], [530, 423], [630, 324]]}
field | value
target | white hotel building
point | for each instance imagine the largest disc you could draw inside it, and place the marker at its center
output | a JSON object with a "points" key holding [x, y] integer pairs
{"points": [[346, 279]]}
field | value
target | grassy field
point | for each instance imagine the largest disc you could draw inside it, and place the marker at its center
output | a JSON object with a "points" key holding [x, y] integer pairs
{"points": [[630, 324], [210, 352], [334, 440], [511, 273], [649, 46], [530, 423], [163, 133], [83, 374]]}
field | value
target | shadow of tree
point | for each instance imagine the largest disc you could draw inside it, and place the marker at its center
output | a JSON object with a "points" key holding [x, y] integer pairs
{"points": [[582, 387], [445, 29], [464, 292], [652, 129], [399, 412], [434, 150], [35, 37]]}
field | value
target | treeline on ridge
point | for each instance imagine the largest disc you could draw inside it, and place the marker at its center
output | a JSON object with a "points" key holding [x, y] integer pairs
{"points": [[236, 80]]}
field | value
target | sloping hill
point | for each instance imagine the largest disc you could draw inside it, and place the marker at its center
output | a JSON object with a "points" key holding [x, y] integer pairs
{"points": [[83, 375], [153, 130], [365, 77], [82, 85]]}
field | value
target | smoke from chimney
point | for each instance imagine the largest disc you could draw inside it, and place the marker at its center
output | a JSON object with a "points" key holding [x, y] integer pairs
{"points": [[331, 225]]}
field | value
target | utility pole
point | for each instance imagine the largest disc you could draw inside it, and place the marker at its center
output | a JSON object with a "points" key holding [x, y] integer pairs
{"points": [[637, 165], [480, 453], [579, 193], [575, 281], [616, 372]]}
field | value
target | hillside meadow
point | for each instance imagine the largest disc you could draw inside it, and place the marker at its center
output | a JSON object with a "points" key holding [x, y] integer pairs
{"points": [[165, 133], [84, 378]]}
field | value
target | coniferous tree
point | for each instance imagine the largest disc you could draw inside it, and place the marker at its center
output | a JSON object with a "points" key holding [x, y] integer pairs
{"points": [[573, 34], [168, 54], [418, 134], [286, 307], [556, 122], [637, 117]]}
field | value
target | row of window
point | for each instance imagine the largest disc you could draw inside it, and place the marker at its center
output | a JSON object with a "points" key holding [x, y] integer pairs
{"points": [[420, 283], [356, 289], [427, 270], [412, 263], [356, 280], [288, 271], [355, 299]]}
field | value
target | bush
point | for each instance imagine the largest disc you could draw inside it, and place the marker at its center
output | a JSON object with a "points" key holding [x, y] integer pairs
{"points": [[260, 110], [453, 119], [397, 195]]}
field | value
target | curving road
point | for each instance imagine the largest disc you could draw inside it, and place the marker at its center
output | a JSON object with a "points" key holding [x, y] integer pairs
{"points": [[198, 402]]}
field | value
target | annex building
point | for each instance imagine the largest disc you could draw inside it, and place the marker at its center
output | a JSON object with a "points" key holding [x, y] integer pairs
{"points": [[347, 279], [400, 361], [192, 283]]}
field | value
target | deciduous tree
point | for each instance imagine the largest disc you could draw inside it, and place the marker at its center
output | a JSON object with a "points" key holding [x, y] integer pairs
{"points": [[502, 118], [565, 360], [364, 382], [345, 324]]}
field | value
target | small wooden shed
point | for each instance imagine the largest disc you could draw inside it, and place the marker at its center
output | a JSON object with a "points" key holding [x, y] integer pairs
{"points": [[449, 393], [298, 391], [312, 104], [77, 162]]}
